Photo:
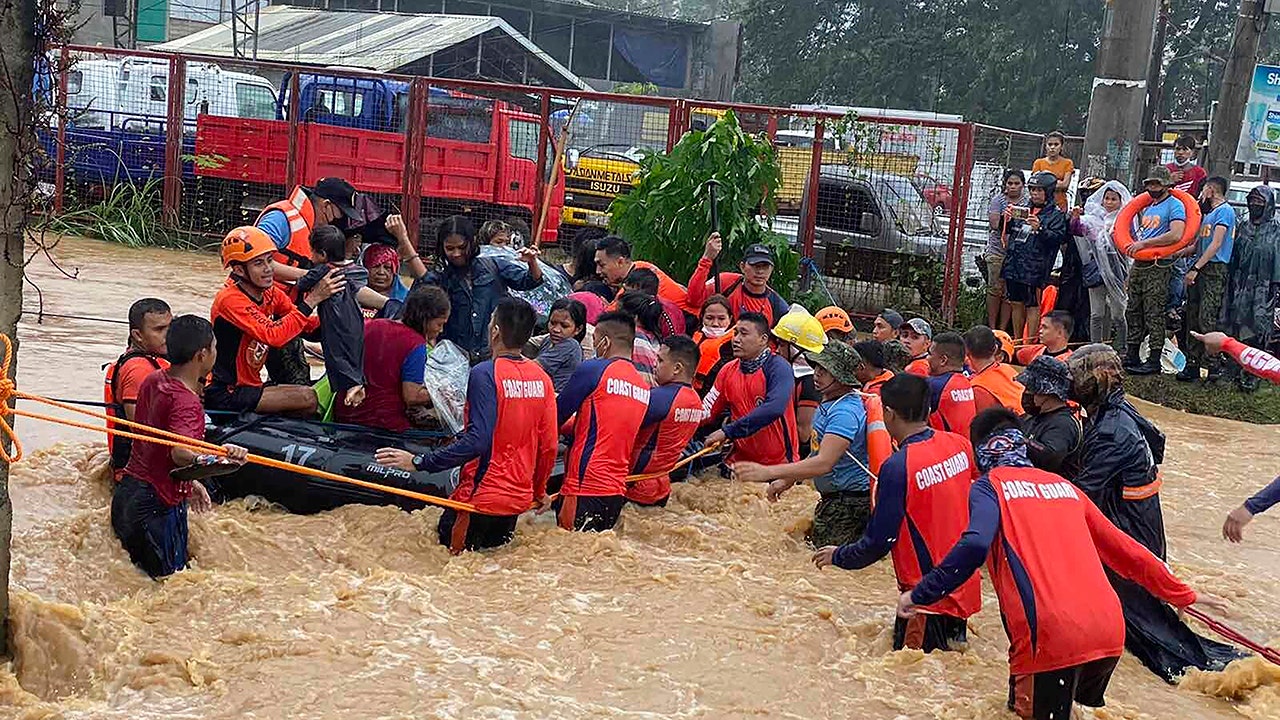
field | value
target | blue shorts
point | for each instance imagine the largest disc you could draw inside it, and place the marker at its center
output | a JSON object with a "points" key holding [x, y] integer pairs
{"points": [[154, 534]]}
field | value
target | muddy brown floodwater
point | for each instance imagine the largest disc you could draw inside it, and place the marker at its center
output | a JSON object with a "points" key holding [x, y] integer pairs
{"points": [[706, 609]]}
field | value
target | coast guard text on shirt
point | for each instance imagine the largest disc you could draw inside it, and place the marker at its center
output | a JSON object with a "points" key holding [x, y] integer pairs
{"points": [[940, 472], [1018, 489], [618, 386], [524, 388]]}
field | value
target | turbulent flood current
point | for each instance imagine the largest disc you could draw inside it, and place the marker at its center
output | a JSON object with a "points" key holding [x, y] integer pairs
{"points": [[709, 608]]}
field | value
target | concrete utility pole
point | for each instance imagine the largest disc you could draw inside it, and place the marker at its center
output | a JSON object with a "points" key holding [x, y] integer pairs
{"points": [[17, 144], [1233, 95], [1120, 90]]}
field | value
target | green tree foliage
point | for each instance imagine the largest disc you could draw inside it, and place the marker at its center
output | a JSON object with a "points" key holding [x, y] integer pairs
{"points": [[1019, 63], [667, 217]]}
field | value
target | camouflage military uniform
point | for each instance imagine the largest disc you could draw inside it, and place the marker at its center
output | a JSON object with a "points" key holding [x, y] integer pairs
{"points": [[840, 518], [1204, 303], [1148, 294]]}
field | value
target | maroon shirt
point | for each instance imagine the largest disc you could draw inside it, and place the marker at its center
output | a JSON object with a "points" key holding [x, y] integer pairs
{"points": [[387, 344], [164, 402]]}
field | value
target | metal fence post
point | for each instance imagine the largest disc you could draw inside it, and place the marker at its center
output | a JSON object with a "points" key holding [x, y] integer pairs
{"points": [[810, 202], [292, 167], [60, 115], [172, 191], [415, 138], [954, 268]]}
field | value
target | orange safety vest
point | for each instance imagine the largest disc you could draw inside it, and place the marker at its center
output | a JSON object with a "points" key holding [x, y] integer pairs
{"points": [[1000, 380], [302, 218]]}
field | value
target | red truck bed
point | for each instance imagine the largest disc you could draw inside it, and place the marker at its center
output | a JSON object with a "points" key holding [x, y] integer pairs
{"points": [[256, 151]]}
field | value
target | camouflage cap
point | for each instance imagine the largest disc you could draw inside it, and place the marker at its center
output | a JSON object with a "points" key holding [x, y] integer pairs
{"points": [[1047, 376], [896, 355], [841, 361], [1160, 174]]}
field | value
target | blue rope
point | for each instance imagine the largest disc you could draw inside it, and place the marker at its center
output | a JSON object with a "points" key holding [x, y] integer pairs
{"points": [[808, 262]]}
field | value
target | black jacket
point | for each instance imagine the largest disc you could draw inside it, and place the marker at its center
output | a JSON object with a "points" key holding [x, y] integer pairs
{"points": [[1030, 255], [1055, 441]]}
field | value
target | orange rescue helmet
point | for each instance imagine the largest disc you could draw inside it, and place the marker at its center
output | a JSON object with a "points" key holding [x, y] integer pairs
{"points": [[1006, 344], [833, 317], [244, 244]]}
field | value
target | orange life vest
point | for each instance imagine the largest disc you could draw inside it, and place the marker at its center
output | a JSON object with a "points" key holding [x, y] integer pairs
{"points": [[879, 443], [118, 448], [711, 359], [1000, 380], [302, 218]]}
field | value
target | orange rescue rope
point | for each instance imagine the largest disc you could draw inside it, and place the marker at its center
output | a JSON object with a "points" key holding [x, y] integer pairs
{"points": [[8, 391]]}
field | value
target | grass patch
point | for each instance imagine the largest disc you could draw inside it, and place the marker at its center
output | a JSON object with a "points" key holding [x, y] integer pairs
{"points": [[128, 214], [1220, 399]]}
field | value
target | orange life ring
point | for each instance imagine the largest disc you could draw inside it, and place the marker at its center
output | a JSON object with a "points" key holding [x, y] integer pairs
{"points": [[1123, 235]]}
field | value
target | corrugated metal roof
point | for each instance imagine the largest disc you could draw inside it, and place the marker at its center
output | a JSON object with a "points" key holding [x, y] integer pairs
{"points": [[378, 41]]}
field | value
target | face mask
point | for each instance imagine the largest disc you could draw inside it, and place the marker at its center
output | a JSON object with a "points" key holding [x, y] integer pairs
{"points": [[715, 332], [1206, 206], [1255, 212], [1157, 194], [1029, 404]]}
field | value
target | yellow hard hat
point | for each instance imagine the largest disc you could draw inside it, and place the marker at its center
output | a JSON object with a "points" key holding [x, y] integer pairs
{"points": [[801, 329]]}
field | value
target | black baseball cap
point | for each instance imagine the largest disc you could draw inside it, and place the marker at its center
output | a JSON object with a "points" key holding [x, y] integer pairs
{"points": [[758, 254], [340, 193]]}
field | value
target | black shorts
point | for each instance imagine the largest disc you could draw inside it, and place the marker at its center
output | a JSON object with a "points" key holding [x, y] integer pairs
{"points": [[589, 513], [1028, 295], [153, 533], [241, 398], [460, 531], [1047, 695], [930, 632]]}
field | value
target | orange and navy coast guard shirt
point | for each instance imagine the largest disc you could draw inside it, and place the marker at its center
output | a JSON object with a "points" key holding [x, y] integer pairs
{"points": [[675, 412], [609, 398], [508, 447], [921, 510], [1253, 360], [246, 329], [761, 412], [951, 403], [1047, 544]]}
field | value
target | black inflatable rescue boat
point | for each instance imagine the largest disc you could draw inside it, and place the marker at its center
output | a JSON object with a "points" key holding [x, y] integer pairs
{"points": [[345, 450]]}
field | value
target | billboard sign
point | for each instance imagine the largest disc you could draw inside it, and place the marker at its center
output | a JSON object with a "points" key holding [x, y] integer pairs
{"points": [[1260, 135]]}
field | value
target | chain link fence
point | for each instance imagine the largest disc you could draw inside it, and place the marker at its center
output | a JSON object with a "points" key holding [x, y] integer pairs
{"points": [[877, 204]]}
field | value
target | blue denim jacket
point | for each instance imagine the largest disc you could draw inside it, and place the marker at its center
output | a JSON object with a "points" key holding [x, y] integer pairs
{"points": [[474, 292]]}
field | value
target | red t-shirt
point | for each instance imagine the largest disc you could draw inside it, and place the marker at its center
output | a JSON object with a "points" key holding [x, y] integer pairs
{"points": [[388, 346], [674, 414], [164, 402]]}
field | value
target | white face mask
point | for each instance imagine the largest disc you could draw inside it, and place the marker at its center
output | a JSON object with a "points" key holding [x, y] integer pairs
{"points": [[715, 332]]}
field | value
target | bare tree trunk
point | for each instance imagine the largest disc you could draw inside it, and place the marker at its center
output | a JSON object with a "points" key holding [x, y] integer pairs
{"points": [[17, 142], [1237, 76]]}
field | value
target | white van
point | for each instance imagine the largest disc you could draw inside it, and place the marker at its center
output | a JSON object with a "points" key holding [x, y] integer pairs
{"points": [[132, 93]]}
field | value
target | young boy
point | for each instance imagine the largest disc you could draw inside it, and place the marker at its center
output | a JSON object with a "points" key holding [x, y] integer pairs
{"points": [[1187, 176], [149, 507], [673, 417], [341, 322], [1058, 164]]}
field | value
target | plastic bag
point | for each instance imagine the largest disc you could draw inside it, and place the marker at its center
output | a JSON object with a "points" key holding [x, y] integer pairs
{"points": [[554, 284], [445, 377]]}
